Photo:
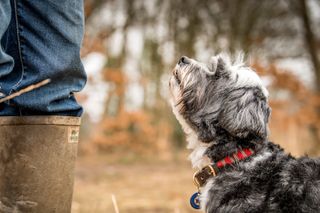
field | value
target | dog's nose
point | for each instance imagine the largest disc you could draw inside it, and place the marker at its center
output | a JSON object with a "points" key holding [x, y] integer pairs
{"points": [[184, 60]]}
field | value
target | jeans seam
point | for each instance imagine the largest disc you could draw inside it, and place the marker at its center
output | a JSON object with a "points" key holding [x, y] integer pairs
{"points": [[18, 29]]}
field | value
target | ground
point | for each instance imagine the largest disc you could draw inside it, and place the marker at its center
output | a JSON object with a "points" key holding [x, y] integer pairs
{"points": [[142, 185]]}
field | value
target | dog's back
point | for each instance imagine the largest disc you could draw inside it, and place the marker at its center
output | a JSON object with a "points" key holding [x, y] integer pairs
{"points": [[275, 182]]}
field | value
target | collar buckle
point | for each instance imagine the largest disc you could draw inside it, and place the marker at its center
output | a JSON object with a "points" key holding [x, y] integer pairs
{"points": [[201, 176]]}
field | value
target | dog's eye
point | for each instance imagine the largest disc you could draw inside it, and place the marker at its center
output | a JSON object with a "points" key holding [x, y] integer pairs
{"points": [[177, 79], [175, 74], [217, 75]]}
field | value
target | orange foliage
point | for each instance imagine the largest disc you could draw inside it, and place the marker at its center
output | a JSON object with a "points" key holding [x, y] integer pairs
{"points": [[295, 121], [114, 75], [92, 44], [135, 131]]}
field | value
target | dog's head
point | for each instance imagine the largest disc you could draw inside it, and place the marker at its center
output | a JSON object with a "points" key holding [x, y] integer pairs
{"points": [[219, 96]]}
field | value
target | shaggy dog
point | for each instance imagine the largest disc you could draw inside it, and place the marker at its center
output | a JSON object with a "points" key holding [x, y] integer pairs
{"points": [[223, 109]]}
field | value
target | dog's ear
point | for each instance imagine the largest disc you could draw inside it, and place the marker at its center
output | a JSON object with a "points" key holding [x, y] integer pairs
{"points": [[213, 64], [218, 63], [245, 115]]}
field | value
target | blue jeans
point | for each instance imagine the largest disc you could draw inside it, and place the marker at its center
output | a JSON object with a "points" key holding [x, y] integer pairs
{"points": [[40, 40]]}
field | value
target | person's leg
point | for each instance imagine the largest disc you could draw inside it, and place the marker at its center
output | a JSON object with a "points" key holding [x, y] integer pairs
{"points": [[37, 153], [6, 61], [44, 38]]}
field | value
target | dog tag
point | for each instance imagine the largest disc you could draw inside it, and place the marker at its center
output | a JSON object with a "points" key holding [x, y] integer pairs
{"points": [[195, 201]]}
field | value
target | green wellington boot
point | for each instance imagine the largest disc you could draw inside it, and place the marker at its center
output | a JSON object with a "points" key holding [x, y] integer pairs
{"points": [[37, 158]]}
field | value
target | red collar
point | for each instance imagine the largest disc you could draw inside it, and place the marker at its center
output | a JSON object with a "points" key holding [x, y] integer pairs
{"points": [[212, 170]]}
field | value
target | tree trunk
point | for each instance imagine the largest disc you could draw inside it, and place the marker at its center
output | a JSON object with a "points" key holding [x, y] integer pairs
{"points": [[310, 41]]}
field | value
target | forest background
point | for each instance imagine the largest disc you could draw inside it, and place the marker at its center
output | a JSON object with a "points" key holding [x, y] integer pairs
{"points": [[132, 149]]}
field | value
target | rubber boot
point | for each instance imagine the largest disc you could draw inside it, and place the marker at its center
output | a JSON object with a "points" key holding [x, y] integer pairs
{"points": [[37, 158]]}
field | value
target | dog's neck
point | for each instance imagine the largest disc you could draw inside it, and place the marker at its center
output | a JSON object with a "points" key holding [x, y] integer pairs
{"points": [[223, 145], [212, 170]]}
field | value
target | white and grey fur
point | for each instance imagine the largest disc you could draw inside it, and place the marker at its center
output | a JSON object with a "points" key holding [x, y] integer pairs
{"points": [[222, 107]]}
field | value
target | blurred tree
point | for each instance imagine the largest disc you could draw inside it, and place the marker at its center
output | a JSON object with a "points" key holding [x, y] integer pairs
{"points": [[312, 45], [268, 30]]}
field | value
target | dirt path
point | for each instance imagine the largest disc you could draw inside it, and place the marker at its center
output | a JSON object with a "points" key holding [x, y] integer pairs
{"points": [[140, 187]]}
